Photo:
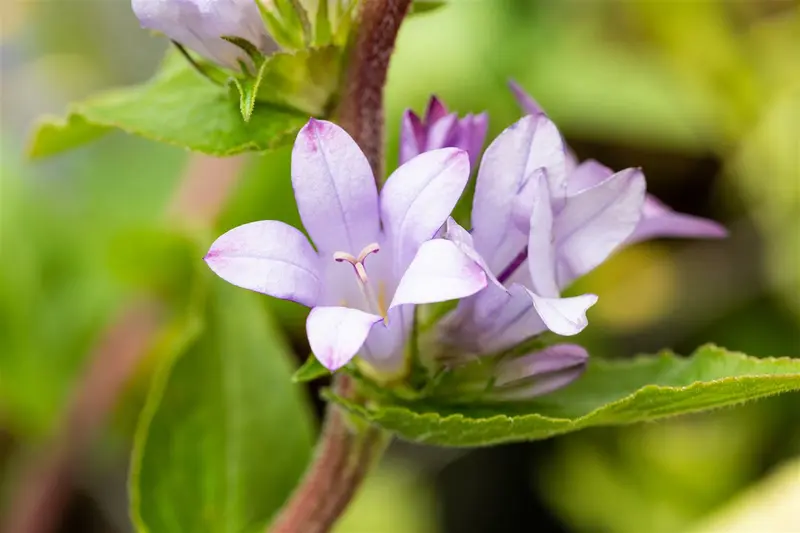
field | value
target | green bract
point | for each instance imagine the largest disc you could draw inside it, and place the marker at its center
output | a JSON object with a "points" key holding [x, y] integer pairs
{"points": [[610, 393]]}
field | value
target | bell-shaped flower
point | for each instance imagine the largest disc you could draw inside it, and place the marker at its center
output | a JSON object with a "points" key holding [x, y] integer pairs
{"points": [[200, 25], [538, 373], [440, 129], [373, 259], [658, 220], [533, 239]]}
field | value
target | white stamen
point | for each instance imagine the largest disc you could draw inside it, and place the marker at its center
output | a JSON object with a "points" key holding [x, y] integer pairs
{"points": [[361, 271]]}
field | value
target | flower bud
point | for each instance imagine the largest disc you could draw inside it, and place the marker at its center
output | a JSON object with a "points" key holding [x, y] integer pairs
{"points": [[441, 129], [539, 373], [200, 25]]}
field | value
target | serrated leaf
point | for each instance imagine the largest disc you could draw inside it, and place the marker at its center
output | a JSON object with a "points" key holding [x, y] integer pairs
{"points": [[177, 107], [225, 435], [312, 369], [610, 393]]}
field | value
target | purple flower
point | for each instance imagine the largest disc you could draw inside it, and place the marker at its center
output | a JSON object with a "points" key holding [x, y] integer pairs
{"points": [[658, 220], [533, 238], [539, 373], [200, 25], [440, 129], [374, 258]]}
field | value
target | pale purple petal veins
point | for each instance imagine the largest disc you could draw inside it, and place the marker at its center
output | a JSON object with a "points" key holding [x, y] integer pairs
{"points": [[269, 257], [658, 220], [532, 143], [336, 334], [417, 199], [438, 273], [526, 102], [463, 240], [541, 248], [596, 221], [586, 175], [335, 190], [543, 365], [564, 316]]}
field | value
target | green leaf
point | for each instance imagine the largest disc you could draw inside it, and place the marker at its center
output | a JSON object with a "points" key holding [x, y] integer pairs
{"points": [[225, 435], [177, 107], [312, 369], [610, 393], [426, 6]]}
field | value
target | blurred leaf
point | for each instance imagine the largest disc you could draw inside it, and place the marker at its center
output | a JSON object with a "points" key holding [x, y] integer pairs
{"points": [[177, 107], [225, 435], [424, 6], [610, 393], [312, 369]]}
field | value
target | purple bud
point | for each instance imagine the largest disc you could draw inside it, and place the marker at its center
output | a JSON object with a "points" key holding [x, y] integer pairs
{"points": [[200, 25], [540, 372], [441, 129]]}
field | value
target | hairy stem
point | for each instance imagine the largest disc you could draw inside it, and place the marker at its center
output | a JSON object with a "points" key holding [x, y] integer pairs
{"points": [[345, 454], [361, 107]]}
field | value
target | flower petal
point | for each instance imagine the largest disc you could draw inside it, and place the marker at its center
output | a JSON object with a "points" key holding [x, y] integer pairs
{"points": [[438, 273], [658, 220], [412, 136], [463, 240], [564, 316], [417, 199], [586, 175], [336, 334], [384, 349], [441, 133], [269, 257], [541, 248], [511, 160], [472, 134], [526, 102], [436, 110], [596, 221], [549, 361], [334, 188]]}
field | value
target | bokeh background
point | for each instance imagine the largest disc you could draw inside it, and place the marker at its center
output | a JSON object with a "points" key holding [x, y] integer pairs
{"points": [[704, 95]]}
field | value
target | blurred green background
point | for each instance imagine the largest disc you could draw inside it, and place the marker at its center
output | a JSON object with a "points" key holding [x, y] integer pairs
{"points": [[704, 95]]}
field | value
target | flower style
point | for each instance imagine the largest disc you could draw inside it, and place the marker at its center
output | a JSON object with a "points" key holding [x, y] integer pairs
{"points": [[441, 129], [201, 25], [658, 220], [534, 236], [370, 250]]}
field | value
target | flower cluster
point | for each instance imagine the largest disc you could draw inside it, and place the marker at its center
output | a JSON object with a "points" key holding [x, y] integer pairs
{"points": [[539, 221]]}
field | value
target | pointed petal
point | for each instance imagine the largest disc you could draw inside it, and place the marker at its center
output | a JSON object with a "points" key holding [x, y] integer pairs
{"points": [[438, 273], [463, 240], [472, 134], [586, 175], [269, 257], [435, 110], [336, 334], [412, 136], [505, 320], [417, 199], [526, 102], [510, 161], [596, 221], [334, 188], [541, 248], [442, 133], [542, 365], [564, 316], [658, 220]]}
